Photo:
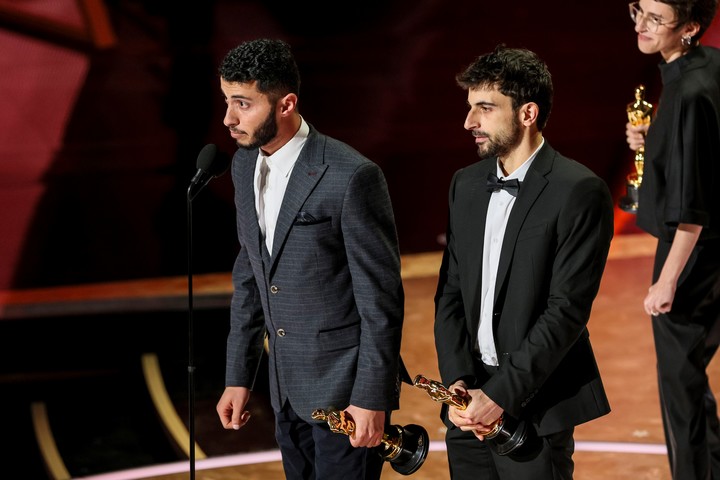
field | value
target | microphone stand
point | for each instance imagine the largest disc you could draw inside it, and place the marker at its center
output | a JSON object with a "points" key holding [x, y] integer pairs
{"points": [[210, 164], [191, 353]]}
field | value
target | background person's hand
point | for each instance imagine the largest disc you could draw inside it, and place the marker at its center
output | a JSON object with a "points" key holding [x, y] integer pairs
{"points": [[636, 135]]}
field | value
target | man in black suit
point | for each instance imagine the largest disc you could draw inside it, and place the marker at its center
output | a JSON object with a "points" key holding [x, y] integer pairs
{"points": [[528, 235], [318, 270]]}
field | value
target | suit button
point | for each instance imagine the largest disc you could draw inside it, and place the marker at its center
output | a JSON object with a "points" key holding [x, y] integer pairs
{"points": [[274, 289], [281, 332]]}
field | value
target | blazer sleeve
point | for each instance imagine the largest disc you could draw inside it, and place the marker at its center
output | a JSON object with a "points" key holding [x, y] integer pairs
{"points": [[247, 322], [371, 244]]}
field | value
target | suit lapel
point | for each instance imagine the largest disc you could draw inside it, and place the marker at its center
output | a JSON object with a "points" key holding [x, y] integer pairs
{"points": [[533, 185], [480, 200], [306, 174], [245, 173]]}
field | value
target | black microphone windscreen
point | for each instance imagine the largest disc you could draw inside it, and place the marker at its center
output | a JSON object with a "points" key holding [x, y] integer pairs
{"points": [[206, 157]]}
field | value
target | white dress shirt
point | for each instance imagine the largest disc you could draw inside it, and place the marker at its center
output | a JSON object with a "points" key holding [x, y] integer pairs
{"points": [[280, 165], [499, 208]]}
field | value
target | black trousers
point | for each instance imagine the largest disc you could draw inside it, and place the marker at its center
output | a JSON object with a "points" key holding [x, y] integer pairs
{"points": [[311, 451], [686, 339], [471, 459]]}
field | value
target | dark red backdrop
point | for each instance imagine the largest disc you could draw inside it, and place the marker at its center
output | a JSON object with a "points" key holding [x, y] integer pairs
{"points": [[98, 144]]}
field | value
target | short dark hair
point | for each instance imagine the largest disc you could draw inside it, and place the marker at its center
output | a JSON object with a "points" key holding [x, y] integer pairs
{"points": [[517, 73], [269, 62], [700, 11]]}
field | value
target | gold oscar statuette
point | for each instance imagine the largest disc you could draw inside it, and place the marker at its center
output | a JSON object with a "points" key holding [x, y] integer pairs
{"points": [[639, 112], [406, 448], [506, 436]]}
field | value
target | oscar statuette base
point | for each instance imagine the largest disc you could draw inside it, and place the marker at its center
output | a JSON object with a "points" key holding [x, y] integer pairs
{"points": [[405, 448], [414, 447], [629, 203]]}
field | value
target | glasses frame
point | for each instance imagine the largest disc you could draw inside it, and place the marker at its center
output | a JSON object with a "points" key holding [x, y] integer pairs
{"points": [[651, 22]]}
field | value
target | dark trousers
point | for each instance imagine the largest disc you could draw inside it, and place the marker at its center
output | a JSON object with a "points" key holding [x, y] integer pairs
{"points": [[311, 451], [686, 338], [471, 459]]}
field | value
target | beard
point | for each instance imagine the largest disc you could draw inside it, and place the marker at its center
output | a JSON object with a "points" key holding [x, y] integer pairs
{"points": [[502, 143], [264, 133]]}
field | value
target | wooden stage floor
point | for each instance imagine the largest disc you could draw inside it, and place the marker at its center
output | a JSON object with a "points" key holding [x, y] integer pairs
{"points": [[627, 444]]}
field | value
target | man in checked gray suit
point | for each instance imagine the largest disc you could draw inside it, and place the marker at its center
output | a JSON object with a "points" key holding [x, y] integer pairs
{"points": [[318, 270]]}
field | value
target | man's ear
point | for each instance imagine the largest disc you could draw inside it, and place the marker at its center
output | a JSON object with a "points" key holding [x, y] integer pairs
{"points": [[288, 104], [528, 113]]}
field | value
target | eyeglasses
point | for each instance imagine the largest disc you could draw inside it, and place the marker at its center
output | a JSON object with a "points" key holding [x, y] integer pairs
{"points": [[652, 22]]}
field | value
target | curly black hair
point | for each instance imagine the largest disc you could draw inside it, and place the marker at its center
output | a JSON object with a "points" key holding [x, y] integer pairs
{"points": [[269, 62]]}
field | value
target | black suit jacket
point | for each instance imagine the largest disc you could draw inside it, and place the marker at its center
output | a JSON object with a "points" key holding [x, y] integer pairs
{"points": [[552, 259]]}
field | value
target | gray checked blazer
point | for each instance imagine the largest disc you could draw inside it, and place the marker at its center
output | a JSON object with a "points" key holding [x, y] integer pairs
{"points": [[329, 295]]}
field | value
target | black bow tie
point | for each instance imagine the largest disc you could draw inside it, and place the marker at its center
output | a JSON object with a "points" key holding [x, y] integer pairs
{"points": [[494, 183]]}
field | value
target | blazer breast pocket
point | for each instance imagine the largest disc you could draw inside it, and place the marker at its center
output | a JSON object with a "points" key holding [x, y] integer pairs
{"points": [[305, 218]]}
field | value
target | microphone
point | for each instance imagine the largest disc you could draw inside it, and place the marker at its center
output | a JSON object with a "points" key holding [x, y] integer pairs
{"points": [[210, 164]]}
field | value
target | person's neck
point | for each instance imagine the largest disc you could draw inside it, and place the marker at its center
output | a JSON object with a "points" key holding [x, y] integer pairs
{"points": [[675, 54], [287, 128], [529, 143]]}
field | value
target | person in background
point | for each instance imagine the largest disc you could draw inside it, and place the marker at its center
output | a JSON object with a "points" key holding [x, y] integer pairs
{"points": [[318, 270], [680, 206], [528, 235]]}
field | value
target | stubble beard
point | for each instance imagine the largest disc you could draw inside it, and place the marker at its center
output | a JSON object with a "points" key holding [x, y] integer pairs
{"points": [[263, 135], [502, 143]]}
